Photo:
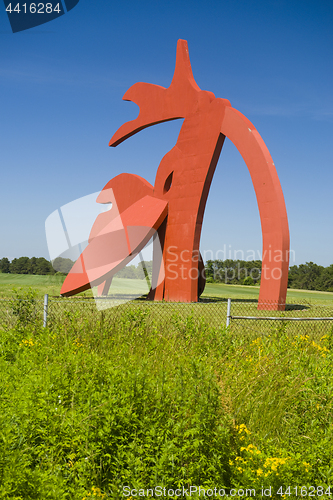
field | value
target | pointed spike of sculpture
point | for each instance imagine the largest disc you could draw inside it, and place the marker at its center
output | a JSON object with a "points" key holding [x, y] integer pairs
{"points": [[183, 74]]}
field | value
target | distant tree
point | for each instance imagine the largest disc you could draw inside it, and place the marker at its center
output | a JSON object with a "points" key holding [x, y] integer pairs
{"points": [[62, 265], [305, 276], [4, 265], [33, 266], [143, 268], [209, 270], [20, 266], [232, 271], [128, 272], [43, 266], [326, 279], [24, 265], [292, 276], [248, 281]]}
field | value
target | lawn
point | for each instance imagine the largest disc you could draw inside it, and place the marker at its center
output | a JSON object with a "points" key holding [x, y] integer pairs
{"points": [[42, 284], [52, 286], [252, 292]]}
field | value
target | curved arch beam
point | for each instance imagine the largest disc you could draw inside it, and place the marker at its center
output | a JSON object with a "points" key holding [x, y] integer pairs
{"points": [[271, 204]]}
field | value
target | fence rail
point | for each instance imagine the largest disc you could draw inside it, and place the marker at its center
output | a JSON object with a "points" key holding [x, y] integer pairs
{"points": [[307, 318], [280, 319], [235, 314]]}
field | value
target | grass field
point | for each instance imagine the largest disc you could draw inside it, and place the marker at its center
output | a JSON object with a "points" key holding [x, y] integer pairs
{"points": [[88, 406], [42, 284], [252, 292], [149, 394], [52, 286]]}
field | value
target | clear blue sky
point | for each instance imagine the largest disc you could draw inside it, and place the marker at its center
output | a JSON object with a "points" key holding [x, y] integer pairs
{"points": [[61, 101]]}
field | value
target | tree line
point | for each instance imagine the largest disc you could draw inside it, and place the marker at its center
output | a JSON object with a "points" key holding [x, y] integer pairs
{"points": [[41, 266], [308, 276], [139, 272], [233, 272], [35, 265]]}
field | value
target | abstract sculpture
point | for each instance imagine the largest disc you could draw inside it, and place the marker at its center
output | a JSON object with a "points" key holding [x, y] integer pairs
{"points": [[174, 206]]}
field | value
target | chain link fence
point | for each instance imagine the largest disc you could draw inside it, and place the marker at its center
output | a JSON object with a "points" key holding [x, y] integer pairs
{"points": [[303, 318], [109, 310], [238, 314], [58, 311]]}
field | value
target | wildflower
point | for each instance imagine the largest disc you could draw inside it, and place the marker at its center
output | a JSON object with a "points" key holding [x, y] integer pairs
{"points": [[251, 448], [27, 343], [306, 465], [242, 428], [259, 472]]}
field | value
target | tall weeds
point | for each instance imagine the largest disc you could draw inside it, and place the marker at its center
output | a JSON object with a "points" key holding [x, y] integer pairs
{"points": [[87, 409]]}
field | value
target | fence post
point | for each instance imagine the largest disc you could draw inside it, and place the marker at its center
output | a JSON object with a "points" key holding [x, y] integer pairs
{"points": [[46, 304], [228, 312]]}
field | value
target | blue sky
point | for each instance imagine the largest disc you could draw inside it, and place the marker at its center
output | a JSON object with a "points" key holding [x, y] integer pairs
{"points": [[61, 101]]}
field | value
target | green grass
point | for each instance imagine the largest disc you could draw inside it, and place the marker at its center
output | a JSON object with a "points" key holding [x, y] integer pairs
{"points": [[221, 290], [310, 295], [88, 406], [129, 286], [52, 286], [42, 284], [252, 292]]}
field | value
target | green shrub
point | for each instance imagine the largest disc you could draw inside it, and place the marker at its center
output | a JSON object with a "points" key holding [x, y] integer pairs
{"points": [[248, 281], [23, 306]]}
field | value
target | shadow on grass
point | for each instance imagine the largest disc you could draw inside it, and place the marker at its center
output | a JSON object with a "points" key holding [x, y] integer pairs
{"points": [[297, 307], [289, 307]]}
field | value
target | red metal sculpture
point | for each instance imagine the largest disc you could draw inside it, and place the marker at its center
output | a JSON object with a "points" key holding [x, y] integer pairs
{"points": [[174, 206]]}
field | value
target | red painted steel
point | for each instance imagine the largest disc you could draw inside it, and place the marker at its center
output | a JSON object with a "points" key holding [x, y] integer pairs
{"points": [[181, 187]]}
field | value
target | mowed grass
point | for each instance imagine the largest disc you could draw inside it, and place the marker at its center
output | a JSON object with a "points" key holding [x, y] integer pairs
{"points": [[220, 290], [42, 284], [52, 286]]}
